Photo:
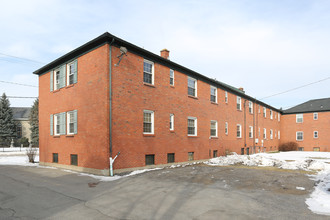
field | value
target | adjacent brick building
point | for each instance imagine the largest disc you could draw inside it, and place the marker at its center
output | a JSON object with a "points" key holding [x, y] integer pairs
{"points": [[110, 96]]}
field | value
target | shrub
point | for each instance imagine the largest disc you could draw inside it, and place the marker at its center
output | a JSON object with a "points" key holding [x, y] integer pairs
{"points": [[288, 146], [31, 152]]}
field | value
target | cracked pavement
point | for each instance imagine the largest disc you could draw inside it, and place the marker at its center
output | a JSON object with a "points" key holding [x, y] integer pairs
{"points": [[192, 192]]}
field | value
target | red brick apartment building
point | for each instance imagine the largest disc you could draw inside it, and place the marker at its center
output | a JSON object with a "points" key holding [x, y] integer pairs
{"points": [[110, 96], [308, 124]]}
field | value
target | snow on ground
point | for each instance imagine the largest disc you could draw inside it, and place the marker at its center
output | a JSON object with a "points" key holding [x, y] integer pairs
{"points": [[319, 201]]}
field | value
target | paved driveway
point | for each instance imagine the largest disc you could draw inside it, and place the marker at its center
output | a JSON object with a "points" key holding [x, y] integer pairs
{"points": [[192, 192]]}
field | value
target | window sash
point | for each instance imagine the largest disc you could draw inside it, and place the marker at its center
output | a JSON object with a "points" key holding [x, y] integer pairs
{"points": [[148, 72], [171, 77], [226, 128], [300, 136], [299, 118], [192, 86], [226, 97], [213, 129], [315, 116], [171, 122], [191, 126], [213, 94], [250, 132], [148, 122], [239, 131], [316, 134], [238, 103], [250, 107]]}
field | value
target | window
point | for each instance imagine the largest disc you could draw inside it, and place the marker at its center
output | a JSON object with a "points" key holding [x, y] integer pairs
{"points": [[299, 136], [226, 128], [57, 79], [258, 131], [148, 72], [259, 109], [278, 117], [192, 87], [271, 114], [213, 94], [250, 131], [18, 130], [271, 134], [215, 153], [214, 129], [59, 123], [300, 149], [316, 134], [315, 116], [170, 158], [316, 149], [74, 159], [279, 135], [239, 107], [55, 157], [71, 73], [190, 156], [250, 107], [172, 77], [265, 133], [171, 122], [275, 115], [239, 131], [192, 126], [299, 118], [226, 97], [264, 112], [72, 122], [148, 122], [150, 159]]}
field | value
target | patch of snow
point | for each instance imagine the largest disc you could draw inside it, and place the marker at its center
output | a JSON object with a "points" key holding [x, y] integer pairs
{"points": [[300, 188], [17, 160]]}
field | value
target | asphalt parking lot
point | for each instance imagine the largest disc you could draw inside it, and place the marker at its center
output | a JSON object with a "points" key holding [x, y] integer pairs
{"points": [[191, 192]]}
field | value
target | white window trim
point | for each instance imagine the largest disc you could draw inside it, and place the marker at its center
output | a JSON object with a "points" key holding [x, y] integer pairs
{"points": [[173, 77], [216, 128], [68, 122], [172, 122], [271, 114], [251, 131], [271, 134], [195, 80], [55, 124], [240, 103], [54, 75], [264, 112], [152, 71], [317, 133], [240, 131], [317, 116], [302, 135], [302, 118], [265, 134], [226, 97], [278, 134], [278, 117], [68, 73], [195, 123], [226, 128], [216, 94], [152, 121], [251, 107]]}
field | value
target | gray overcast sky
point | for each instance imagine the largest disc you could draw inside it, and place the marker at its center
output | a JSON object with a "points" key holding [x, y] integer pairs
{"points": [[266, 47]]}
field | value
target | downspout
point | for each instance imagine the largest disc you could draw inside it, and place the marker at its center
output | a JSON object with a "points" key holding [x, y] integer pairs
{"points": [[254, 125], [245, 124], [110, 107]]}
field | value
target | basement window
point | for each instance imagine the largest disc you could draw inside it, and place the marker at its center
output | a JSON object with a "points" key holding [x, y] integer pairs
{"points": [[150, 159], [55, 157], [190, 156], [170, 158], [74, 159]]}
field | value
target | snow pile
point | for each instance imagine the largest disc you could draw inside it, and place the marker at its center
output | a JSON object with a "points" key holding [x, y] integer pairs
{"points": [[319, 201], [17, 160]]}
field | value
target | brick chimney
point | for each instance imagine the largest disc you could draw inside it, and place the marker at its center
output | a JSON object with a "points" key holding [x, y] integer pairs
{"points": [[165, 53], [242, 89]]}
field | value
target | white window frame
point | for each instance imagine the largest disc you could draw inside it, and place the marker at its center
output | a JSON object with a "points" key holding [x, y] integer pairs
{"points": [[250, 131], [271, 114], [216, 128], [278, 134], [68, 74], [250, 107], [302, 135], [57, 85], [57, 117], [271, 134], [68, 121], [239, 129], [264, 112], [216, 94], [239, 103], [226, 128], [195, 81], [195, 124], [278, 116], [226, 97], [172, 77], [317, 134], [317, 116], [171, 122], [265, 134], [152, 121], [152, 72], [299, 117]]}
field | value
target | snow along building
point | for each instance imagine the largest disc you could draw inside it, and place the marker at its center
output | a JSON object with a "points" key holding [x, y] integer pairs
{"points": [[110, 96]]}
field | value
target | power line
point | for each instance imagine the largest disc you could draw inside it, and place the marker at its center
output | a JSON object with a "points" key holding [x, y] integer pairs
{"points": [[20, 84], [21, 97], [299, 87], [22, 58]]}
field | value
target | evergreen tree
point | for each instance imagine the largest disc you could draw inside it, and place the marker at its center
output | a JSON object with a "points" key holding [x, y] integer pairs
{"points": [[34, 123], [7, 124]]}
